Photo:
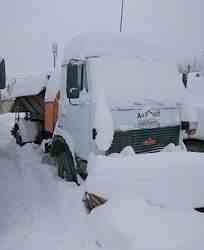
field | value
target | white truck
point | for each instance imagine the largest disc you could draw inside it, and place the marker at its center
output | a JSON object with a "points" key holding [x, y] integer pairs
{"points": [[115, 95]]}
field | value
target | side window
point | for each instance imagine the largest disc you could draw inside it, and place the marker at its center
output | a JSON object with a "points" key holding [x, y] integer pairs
{"points": [[76, 78], [72, 77]]}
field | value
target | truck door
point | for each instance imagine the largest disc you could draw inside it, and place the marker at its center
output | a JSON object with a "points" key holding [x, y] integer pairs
{"points": [[77, 108]]}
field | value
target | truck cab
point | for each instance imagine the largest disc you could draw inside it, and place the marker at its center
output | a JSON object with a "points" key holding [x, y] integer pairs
{"points": [[110, 101]]}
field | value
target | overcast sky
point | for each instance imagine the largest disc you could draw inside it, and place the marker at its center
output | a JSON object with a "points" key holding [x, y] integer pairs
{"points": [[28, 27]]}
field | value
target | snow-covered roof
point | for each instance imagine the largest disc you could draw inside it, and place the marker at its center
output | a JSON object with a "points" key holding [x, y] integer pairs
{"points": [[30, 85], [108, 44], [33, 85]]}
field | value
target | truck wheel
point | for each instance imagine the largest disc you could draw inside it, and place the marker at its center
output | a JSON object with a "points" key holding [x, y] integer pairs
{"points": [[65, 162], [19, 139], [194, 145]]}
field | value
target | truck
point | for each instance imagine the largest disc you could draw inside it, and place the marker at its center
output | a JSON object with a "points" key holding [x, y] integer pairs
{"points": [[115, 95]]}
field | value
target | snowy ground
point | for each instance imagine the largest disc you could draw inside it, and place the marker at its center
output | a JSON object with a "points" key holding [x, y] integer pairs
{"points": [[150, 202], [38, 210]]}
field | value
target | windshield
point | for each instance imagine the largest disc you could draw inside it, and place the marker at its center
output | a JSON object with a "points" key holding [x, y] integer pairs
{"points": [[126, 81]]}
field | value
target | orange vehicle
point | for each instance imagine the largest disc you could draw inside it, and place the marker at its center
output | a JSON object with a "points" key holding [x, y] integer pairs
{"points": [[51, 114], [36, 108]]}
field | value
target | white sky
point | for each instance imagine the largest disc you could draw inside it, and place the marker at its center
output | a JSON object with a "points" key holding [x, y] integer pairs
{"points": [[28, 27]]}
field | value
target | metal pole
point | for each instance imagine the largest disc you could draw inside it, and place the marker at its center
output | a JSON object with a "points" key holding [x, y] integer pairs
{"points": [[54, 61], [54, 52], [121, 16]]}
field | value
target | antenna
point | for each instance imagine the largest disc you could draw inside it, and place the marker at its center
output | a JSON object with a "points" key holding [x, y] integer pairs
{"points": [[55, 53], [121, 15]]}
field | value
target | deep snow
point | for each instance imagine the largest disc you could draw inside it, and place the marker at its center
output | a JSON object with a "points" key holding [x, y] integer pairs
{"points": [[150, 200]]}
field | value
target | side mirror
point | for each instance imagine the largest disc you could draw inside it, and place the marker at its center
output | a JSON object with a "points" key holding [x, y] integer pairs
{"points": [[74, 93], [2, 74]]}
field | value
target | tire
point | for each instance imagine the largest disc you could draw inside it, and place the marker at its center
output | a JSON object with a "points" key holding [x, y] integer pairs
{"points": [[194, 145], [64, 158], [19, 139]]}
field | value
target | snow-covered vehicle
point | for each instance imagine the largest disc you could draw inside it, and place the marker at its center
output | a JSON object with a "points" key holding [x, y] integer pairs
{"points": [[113, 95], [195, 88], [36, 107]]}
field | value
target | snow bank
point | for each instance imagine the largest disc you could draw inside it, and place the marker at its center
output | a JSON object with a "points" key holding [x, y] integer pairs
{"points": [[150, 200], [125, 223], [38, 210], [168, 179]]}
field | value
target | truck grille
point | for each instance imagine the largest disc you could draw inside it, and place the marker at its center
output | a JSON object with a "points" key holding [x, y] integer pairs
{"points": [[145, 140]]}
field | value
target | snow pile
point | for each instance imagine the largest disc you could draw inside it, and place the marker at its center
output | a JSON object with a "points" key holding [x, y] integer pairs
{"points": [[169, 179], [128, 223], [150, 201], [37, 209]]}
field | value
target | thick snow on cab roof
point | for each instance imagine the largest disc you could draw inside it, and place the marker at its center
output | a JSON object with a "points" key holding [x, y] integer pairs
{"points": [[110, 44], [136, 80]]}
